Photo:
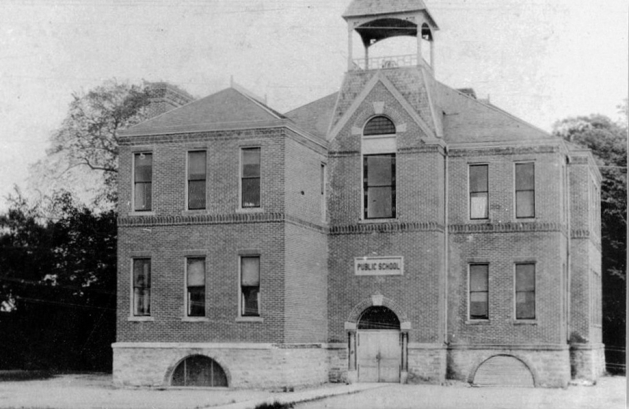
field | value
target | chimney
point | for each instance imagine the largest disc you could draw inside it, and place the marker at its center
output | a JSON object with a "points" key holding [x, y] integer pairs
{"points": [[166, 97]]}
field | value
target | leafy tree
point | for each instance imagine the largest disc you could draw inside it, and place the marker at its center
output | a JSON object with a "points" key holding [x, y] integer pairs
{"points": [[88, 138], [608, 142], [57, 284]]}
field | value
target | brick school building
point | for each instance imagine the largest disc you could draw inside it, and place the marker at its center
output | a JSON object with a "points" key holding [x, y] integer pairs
{"points": [[398, 230]]}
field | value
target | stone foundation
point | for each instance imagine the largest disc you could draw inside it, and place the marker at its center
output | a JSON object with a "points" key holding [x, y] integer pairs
{"points": [[587, 361], [426, 363], [549, 365], [266, 366]]}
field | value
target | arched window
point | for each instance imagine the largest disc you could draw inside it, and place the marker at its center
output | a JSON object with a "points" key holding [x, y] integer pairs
{"points": [[378, 317], [199, 371], [379, 147], [379, 125]]}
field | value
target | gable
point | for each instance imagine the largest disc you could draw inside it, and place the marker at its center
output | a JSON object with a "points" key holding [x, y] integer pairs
{"points": [[357, 86], [378, 101]]}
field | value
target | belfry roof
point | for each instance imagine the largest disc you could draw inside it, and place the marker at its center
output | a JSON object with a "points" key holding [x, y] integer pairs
{"points": [[373, 7]]}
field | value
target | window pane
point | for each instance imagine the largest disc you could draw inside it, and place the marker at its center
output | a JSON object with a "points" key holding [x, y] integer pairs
{"points": [[525, 204], [143, 167], [379, 170], [250, 300], [196, 301], [196, 272], [250, 270], [142, 301], [478, 305], [141, 273], [379, 202], [525, 176], [251, 163], [478, 278], [251, 192], [525, 277], [143, 196], [525, 305], [196, 194], [379, 125], [196, 165], [478, 206], [478, 178]]}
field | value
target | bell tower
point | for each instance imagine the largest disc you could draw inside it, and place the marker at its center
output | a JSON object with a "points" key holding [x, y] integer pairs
{"points": [[377, 20]]}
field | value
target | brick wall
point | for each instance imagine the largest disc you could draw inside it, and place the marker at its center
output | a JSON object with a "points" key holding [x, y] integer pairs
{"points": [[306, 280], [167, 246]]}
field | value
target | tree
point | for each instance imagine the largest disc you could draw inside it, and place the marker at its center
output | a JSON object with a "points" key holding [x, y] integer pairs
{"points": [[88, 138], [608, 142], [57, 277]]}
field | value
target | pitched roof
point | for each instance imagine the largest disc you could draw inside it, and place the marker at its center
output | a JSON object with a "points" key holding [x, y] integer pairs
{"points": [[315, 117], [469, 120], [372, 7], [227, 109]]}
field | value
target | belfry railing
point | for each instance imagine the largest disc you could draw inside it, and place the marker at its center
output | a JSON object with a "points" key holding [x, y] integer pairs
{"points": [[393, 61]]}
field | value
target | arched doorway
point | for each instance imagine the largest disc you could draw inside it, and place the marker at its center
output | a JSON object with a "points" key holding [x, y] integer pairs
{"points": [[199, 371], [379, 349]]}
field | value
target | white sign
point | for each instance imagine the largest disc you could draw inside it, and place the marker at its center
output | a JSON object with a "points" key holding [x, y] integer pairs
{"points": [[379, 266]]}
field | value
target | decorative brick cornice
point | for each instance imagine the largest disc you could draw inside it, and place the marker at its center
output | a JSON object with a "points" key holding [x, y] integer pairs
{"points": [[578, 160], [342, 154], [200, 219], [506, 227], [579, 234], [421, 149], [202, 136], [231, 218], [385, 228], [511, 150], [584, 234]]}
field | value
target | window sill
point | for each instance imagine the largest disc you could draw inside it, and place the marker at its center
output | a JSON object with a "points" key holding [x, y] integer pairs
{"points": [[193, 212], [477, 322], [136, 213], [141, 319], [250, 210], [387, 220], [195, 319], [524, 322], [249, 319]]}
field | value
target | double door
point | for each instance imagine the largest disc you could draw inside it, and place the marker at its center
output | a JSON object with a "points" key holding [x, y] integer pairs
{"points": [[379, 356]]}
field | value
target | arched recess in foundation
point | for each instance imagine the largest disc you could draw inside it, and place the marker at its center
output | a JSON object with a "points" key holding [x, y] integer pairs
{"points": [[198, 371], [503, 370]]}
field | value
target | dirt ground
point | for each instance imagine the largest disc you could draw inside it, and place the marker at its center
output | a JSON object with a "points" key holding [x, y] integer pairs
{"points": [[609, 393], [95, 391]]}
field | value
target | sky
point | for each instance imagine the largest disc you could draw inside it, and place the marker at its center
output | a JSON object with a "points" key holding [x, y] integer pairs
{"points": [[541, 60]]}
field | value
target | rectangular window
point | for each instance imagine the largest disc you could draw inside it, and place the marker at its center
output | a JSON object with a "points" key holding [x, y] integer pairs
{"points": [[479, 192], [142, 181], [196, 180], [323, 198], [142, 287], [195, 287], [379, 186], [479, 291], [524, 190], [525, 291], [250, 286], [250, 177]]}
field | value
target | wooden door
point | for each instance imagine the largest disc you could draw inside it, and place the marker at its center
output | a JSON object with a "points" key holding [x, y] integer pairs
{"points": [[379, 356]]}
